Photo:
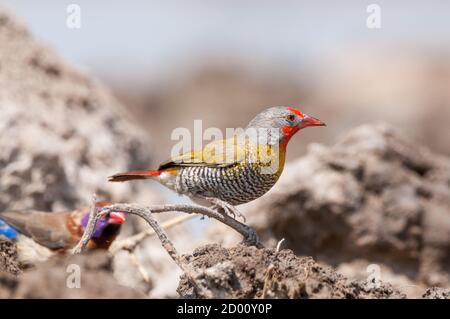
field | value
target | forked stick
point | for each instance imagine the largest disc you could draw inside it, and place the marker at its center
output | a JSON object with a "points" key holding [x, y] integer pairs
{"points": [[146, 214], [130, 243], [250, 236]]}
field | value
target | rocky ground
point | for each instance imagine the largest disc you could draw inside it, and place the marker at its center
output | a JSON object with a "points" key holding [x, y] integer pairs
{"points": [[249, 272], [237, 272], [8, 257], [373, 198]]}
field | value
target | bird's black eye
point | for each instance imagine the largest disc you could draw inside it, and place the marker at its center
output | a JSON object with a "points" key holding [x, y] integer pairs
{"points": [[291, 117]]}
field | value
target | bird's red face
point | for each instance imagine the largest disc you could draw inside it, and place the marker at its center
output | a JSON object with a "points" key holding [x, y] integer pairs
{"points": [[295, 120]]}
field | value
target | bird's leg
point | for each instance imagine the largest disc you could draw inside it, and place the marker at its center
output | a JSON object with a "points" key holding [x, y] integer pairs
{"points": [[225, 208]]}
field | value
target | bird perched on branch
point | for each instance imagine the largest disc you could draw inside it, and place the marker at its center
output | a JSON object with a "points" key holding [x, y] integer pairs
{"points": [[236, 170], [39, 235]]}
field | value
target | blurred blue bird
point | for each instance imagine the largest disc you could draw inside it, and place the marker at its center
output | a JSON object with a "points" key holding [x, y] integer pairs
{"points": [[7, 231]]}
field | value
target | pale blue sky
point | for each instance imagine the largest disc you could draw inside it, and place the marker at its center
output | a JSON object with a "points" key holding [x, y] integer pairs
{"points": [[147, 38]]}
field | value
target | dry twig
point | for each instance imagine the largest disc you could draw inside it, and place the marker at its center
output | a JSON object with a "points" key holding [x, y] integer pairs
{"points": [[250, 236], [139, 266], [268, 278], [146, 214], [130, 243], [93, 217]]}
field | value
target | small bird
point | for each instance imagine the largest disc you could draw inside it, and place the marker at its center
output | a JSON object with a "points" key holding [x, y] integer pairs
{"points": [[39, 235], [236, 170]]}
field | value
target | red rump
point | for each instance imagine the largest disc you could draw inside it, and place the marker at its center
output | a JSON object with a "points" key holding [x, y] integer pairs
{"points": [[122, 177], [144, 173]]}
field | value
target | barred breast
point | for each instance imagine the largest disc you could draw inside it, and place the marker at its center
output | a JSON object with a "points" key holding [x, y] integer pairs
{"points": [[236, 184]]}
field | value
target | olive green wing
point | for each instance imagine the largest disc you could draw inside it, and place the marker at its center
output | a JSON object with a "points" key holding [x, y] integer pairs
{"points": [[221, 153]]}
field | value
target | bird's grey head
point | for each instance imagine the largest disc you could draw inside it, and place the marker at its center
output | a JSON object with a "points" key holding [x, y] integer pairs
{"points": [[281, 122]]}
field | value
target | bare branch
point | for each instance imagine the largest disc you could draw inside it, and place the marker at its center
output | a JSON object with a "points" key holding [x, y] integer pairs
{"points": [[130, 243], [249, 234], [93, 218], [146, 214], [139, 266]]}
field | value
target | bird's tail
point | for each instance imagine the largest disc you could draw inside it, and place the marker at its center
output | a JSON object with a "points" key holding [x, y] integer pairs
{"points": [[128, 176]]}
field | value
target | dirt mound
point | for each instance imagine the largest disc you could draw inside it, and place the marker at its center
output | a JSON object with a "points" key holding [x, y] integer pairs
{"points": [[436, 293], [374, 195], [62, 133], [55, 279], [8, 257], [241, 272]]}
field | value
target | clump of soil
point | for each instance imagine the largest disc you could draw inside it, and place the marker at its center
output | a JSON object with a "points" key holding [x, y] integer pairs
{"points": [[436, 293], [242, 272], [8, 257]]}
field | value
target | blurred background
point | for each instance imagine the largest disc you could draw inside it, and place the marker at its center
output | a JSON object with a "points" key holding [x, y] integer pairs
{"points": [[172, 62]]}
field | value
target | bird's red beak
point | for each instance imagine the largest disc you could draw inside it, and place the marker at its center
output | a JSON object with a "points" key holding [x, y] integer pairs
{"points": [[116, 218], [312, 121]]}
